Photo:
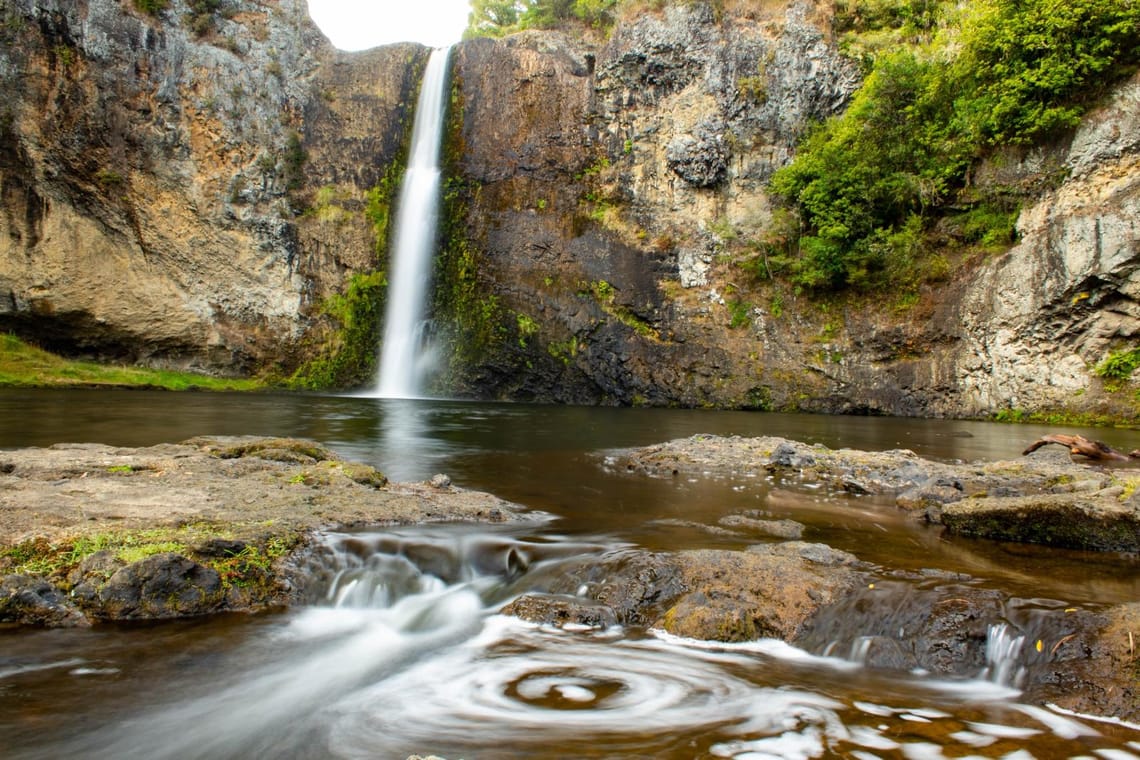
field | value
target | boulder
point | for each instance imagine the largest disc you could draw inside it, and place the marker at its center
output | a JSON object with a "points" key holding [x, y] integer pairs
{"points": [[29, 600], [1089, 522], [766, 592], [166, 585]]}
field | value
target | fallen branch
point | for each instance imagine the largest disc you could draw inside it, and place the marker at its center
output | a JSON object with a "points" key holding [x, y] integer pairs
{"points": [[1078, 444]]}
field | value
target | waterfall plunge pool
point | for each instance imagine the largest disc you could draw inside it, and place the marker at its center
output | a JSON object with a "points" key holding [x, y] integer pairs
{"points": [[407, 652]]}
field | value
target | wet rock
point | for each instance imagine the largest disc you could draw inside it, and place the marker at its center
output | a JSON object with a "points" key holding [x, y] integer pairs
{"points": [[930, 496], [777, 528], [715, 530], [889, 624], [1093, 670], [164, 585], [1073, 521], [790, 454], [818, 554], [561, 611], [741, 596], [28, 600], [636, 585]]}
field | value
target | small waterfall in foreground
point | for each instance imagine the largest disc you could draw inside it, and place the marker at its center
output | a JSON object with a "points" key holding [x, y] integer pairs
{"points": [[405, 355]]}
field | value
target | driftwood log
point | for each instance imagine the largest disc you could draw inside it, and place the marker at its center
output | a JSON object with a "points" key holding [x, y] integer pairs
{"points": [[1078, 444]]}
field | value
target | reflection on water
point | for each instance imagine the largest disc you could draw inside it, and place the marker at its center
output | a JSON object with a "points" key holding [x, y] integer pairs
{"points": [[407, 654]]}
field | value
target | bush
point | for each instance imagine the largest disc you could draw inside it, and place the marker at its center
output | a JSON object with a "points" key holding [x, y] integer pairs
{"points": [[902, 150], [152, 7], [1119, 365]]}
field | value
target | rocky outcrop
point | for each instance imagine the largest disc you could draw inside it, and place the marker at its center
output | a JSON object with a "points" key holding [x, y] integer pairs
{"points": [[1045, 498], [160, 177], [632, 171], [90, 532]]}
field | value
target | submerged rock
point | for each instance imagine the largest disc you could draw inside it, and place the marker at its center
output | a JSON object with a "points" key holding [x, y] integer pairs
{"points": [[561, 611]]}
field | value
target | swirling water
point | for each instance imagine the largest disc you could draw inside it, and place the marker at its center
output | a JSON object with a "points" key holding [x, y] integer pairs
{"points": [[405, 650]]}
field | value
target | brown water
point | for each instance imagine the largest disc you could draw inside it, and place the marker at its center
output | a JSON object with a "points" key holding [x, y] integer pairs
{"points": [[424, 665]]}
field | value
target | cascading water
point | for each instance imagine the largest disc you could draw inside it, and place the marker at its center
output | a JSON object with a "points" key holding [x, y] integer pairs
{"points": [[403, 651], [405, 356]]}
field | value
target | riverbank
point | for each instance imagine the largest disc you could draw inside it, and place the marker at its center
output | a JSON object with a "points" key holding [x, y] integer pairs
{"points": [[91, 532], [23, 365]]}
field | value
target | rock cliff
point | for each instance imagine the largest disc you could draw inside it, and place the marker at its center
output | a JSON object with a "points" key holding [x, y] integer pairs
{"points": [[611, 216], [191, 188], [158, 176]]}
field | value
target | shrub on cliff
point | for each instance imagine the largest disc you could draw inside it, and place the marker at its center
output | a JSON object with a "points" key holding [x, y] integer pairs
{"points": [[1019, 72]]}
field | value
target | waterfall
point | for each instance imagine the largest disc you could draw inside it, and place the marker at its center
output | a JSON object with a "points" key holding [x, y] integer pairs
{"points": [[405, 355]]}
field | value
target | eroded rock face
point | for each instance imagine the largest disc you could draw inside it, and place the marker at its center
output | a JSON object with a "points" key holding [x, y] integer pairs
{"points": [[189, 195], [155, 172]]}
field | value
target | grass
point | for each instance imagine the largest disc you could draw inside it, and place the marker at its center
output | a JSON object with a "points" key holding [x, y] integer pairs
{"points": [[24, 365]]}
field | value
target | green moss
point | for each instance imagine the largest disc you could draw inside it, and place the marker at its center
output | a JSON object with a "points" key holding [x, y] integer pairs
{"points": [[250, 567], [378, 203], [1065, 418], [349, 357]]}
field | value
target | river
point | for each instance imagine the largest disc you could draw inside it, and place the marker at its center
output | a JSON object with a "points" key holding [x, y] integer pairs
{"points": [[408, 654]]}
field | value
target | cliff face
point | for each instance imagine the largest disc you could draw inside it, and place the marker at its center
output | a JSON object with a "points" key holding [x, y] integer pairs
{"points": [[612, 190], [189, 190], [155, 171]]}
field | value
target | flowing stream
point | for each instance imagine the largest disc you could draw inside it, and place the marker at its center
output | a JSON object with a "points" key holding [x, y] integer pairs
{"points": [[403, 649], [405, 353]]}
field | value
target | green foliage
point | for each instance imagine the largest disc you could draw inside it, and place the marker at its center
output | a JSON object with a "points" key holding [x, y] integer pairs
{"points": [[152, 7], [498, 18], [527, 328], [294, 159], [201, 16], [1032, 67], [1119, 365], [869, 183], [740, 313], [349, 358]]}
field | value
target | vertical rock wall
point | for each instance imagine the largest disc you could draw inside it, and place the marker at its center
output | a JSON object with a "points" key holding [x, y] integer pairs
{"points": [[160, 176]]}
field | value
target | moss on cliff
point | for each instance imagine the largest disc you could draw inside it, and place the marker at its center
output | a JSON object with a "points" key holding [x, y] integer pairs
{"points": [[348, 357]]}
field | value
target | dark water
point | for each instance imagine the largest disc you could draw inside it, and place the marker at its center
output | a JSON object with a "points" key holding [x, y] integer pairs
{"points": [[424, 664]]}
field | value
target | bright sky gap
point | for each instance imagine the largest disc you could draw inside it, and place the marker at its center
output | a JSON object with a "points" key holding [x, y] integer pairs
{"points": [[363, 24]]}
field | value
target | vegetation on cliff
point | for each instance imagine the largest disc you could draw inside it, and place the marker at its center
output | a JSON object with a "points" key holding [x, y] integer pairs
{"points": [[497, 18], [871, 184]]}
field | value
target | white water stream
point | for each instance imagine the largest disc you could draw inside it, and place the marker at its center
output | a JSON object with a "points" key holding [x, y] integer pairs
{"points": [[406, 355], [406, 653]]}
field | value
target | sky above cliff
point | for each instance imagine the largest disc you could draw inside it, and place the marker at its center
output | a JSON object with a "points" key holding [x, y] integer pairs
{"points": [[361, 24]]}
